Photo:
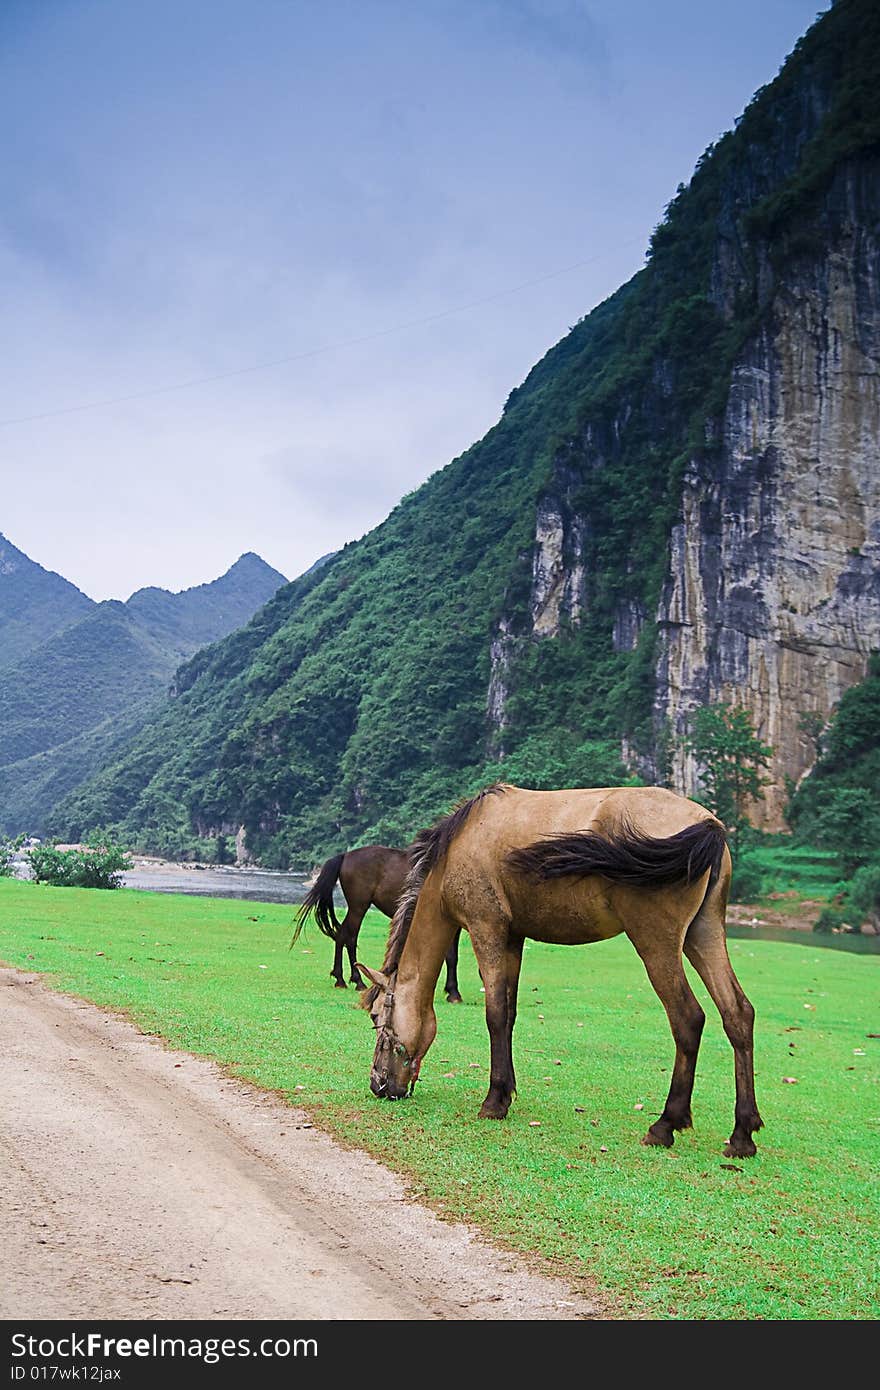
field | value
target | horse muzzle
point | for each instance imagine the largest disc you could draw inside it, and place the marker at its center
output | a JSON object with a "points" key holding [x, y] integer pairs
{"points": [[386, 1087]]}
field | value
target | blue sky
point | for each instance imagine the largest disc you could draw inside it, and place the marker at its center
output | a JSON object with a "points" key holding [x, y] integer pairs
{"points": [[400, 205]]}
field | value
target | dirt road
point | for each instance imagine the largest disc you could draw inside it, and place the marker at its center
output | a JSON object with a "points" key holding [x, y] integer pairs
{"points": [[138, 1182]]}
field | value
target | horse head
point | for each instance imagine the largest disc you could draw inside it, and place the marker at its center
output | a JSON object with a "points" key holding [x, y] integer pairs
{"points": [[394, 1071]]}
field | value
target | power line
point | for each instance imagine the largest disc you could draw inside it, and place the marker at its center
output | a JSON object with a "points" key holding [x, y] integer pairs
{"points": [[317, 351]]}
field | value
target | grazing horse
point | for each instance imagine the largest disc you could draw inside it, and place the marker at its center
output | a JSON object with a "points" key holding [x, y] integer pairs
{"points": [[370, 877], [567, 867]]}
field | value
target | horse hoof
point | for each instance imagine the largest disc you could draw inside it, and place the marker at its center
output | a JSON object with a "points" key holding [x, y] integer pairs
{"points": [[657, 1141], [454, 999], [492, 1112], [743, 1148], [340, 984]]}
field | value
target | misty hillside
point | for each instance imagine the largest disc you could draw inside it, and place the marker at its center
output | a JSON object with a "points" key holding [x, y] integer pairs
{"points": [[34, 604], [90, 683]]}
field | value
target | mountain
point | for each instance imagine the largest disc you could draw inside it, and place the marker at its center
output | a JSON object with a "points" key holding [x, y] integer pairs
{"points": [[321, 560], [71, 699], [193, 617], [34, 604], [679, 506]]}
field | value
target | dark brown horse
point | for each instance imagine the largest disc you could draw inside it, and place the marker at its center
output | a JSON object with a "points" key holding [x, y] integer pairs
{"points": [[370, 877], [567, 867]]}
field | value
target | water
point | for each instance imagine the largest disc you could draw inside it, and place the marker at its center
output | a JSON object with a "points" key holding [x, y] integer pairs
{"points": [[838, 941], [269, 886], [258, 885]]}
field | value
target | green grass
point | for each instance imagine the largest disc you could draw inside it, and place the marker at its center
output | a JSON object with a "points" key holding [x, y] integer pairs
{"points": [[795, 868], [680, 1234]]}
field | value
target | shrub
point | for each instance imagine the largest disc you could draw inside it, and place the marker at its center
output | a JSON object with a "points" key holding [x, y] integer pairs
{"points": [[93, 867], [857, 904], [8, 850], [832, 918], [861, 902], [748, 881], [864, 893]]}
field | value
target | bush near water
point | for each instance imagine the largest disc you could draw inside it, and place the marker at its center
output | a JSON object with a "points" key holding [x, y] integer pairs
{"points": [[79, 867]]}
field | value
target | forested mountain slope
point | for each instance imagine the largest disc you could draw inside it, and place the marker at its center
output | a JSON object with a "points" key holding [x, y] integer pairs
{"points": [[83, 691], [35, 603]]}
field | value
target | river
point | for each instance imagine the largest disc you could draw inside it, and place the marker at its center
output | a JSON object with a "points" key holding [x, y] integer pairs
{"points": [[269, 886], [261, 885]]}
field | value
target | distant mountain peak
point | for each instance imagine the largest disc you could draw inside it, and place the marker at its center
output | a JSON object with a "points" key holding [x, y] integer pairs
{"points": [[77, 675], [206, 612], [13, 559], [35, 603], [321, 561], [251, 562], [249, 566]]}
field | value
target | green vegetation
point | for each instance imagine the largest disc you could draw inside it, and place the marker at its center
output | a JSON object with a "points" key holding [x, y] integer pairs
{"points": [[732, 760], [832, 858], [34, 604], [8, 850], [354, 708], [788, 866], [98, 866], [845, 72], [98, 667], [677, 1235], [837, 806], [31, 785], [86, 688]]}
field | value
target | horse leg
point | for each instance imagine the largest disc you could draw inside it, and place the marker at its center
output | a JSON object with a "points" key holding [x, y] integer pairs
{"points": [[661, 957], [337, 973], [346, 940], [452, 993], [500, 975], [706, 948], [351, 941]]}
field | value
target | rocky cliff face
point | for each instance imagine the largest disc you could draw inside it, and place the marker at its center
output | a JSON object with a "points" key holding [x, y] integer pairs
{"points": [[771, 594], [772, 598]]}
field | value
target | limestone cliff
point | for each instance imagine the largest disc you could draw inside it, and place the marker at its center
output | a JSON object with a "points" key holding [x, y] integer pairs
{"points": [[770, 593], [772, 598]]}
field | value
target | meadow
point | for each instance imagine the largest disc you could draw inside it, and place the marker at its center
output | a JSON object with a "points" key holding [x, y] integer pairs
{"points": [[679, 1234]]}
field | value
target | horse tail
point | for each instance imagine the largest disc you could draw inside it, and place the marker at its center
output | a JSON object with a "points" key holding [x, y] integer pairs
{"points": [[628, 856], [319, 900], [425, 853]]}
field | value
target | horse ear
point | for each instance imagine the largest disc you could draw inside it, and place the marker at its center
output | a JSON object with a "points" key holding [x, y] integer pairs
{"points": [[375, 975]]}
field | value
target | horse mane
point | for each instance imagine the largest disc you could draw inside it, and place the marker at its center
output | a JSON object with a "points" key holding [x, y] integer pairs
{"points": [[629, 857], [426, 851]]}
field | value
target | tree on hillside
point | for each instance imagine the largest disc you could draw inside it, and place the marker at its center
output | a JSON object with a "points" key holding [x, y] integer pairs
{"points": [[836, 807], [732, 762], [544, 761]]}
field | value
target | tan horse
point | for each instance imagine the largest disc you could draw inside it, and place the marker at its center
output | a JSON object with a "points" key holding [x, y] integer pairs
{"points": [[567, 867]]}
